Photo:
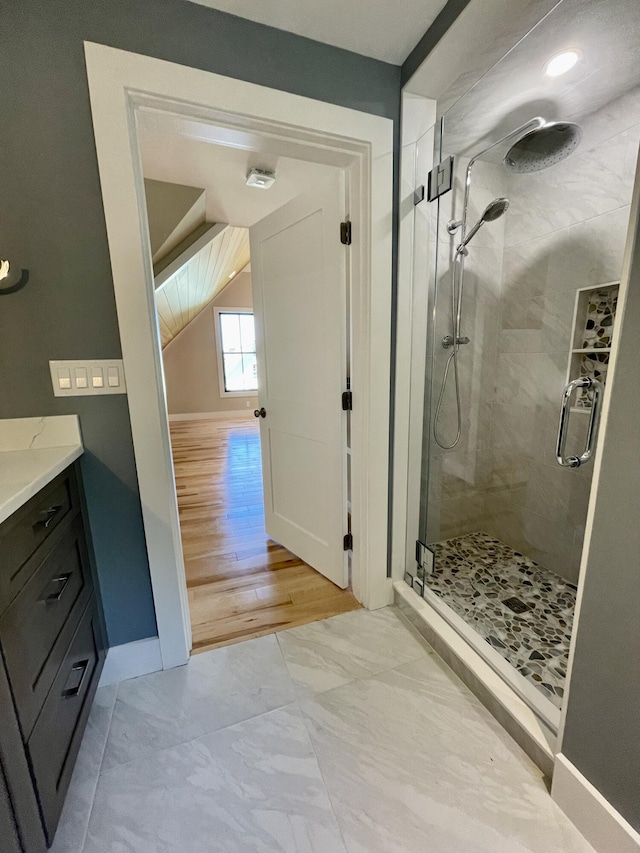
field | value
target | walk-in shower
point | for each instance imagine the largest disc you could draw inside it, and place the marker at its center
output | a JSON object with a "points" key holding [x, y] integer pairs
{"points": [[539, 145], [525, 255]]}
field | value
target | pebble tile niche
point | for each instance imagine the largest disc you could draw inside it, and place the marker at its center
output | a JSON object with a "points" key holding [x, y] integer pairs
{"points": [[525, 612], [595, 317]]}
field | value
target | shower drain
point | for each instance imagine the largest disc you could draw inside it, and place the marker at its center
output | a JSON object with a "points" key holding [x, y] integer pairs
{"points": [[517, 605]]}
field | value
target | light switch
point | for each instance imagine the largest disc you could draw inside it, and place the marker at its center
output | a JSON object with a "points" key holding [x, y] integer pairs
{"points": [[64, 378], [88, 376]]}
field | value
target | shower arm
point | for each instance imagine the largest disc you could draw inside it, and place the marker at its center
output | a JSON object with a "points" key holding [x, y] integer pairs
{"points": [[532, 124]]}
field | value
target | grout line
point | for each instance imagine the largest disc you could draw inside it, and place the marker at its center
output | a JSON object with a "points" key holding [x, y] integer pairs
{"points": [[350, 679], [205, 734], [99, 770], [108, 770], [306, 724], [566, 227]]}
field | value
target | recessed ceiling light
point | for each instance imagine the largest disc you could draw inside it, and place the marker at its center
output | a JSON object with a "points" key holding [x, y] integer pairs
{"points": [[561, 63]]}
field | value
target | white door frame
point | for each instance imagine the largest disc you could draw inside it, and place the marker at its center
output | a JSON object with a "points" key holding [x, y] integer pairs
{"points": [[120, 85]]}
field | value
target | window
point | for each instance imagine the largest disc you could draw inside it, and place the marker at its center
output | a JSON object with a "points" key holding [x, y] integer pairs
{"points": [[237, 351]]}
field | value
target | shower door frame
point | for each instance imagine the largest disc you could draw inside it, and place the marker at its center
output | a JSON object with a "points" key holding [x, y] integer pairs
{"points": [[420, 446]]}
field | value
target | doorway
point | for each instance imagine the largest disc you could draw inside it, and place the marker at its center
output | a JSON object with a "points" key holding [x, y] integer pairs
{"points": [[251, 572], [122, 87]]}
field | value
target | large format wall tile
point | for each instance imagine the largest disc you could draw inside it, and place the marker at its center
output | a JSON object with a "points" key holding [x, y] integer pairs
{"points": [[530, 379], [587, 184], [566, 229], [462, 512]]}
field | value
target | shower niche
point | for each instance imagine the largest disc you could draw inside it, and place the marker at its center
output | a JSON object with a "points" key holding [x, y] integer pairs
{"points": [[592, 338]]}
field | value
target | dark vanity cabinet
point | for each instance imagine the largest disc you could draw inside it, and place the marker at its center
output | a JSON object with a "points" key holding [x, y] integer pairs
{"points": [[52, 648]]}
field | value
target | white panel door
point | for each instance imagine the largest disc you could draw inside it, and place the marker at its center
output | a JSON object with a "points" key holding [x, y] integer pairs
{"points": [[298, 270]]}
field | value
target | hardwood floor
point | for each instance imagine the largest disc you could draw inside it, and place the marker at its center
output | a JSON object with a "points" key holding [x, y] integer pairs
{"points": [[241, 583]]}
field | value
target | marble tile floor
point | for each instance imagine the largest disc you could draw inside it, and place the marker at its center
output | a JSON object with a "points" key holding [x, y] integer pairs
{"points": [[476, 575], [342, 736]]}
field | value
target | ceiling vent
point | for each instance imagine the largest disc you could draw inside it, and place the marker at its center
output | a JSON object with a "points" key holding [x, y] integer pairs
{"points": [[261, 178]]}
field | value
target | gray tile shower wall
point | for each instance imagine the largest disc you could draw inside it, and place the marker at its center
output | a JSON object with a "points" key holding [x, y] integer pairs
{"points": [[565, 229]]}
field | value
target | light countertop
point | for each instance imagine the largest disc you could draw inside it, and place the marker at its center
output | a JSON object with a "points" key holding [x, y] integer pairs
{"points": [[32, 452]]}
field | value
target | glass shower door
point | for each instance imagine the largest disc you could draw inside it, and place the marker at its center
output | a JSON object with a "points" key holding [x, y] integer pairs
{"points": [[503, 521]]}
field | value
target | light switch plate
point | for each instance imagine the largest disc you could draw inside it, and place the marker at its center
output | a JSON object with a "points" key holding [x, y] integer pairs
{"points": [[108, 368]]}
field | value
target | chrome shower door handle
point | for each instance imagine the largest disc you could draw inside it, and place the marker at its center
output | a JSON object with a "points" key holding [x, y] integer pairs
{"points": [[594, 420]]}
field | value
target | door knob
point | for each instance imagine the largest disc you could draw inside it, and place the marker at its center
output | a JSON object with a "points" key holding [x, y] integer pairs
{"points": [[260, 413]]}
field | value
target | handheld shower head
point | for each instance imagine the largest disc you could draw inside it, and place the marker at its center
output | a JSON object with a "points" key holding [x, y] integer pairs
{"points": [[494, 210]]}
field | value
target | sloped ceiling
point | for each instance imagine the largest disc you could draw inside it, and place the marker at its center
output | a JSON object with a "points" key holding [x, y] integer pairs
{"points": [[190, 289], [173, 212], [193, 274]]}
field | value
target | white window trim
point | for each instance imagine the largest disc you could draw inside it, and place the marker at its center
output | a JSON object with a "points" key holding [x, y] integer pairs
{"points": [[120, 85], [217, 311]]}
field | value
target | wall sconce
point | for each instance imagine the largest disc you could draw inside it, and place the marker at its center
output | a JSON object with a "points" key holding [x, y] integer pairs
{"points": [[11, 281]]}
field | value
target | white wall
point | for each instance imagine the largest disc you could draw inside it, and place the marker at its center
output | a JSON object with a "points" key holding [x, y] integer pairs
{"points": [[191, 364]]}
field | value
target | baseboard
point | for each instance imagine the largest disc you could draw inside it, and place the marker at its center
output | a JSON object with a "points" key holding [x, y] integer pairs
{"points": [[131, 660], [241, 414], [600, 823]]}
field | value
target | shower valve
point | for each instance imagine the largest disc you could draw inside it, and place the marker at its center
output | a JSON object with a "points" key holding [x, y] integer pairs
{"points": [[448, 341]]}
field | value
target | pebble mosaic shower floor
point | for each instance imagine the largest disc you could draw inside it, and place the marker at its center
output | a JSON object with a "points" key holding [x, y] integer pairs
{"points": [[476, 574]]}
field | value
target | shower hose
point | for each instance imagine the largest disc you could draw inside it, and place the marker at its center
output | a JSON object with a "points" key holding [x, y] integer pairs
{"points": [[457, 290]]}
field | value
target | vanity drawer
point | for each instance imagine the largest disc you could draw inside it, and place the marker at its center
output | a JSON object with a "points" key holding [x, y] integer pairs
{"points": [[37, 628], [56, 737], [29, 527]]}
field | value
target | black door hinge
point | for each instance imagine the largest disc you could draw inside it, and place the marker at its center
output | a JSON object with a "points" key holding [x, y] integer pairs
{"points": [[347, 542], [345, 233], [347, 401], [440, 179]]}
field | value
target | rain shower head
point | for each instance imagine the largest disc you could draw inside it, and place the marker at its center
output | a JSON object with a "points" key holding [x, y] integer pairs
{"points": [[494, 210], [543, 146]]}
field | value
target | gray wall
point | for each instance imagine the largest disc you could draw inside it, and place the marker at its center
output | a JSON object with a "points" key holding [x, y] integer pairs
{"points": [[602, 730], [191, 359], [51, 221]]}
